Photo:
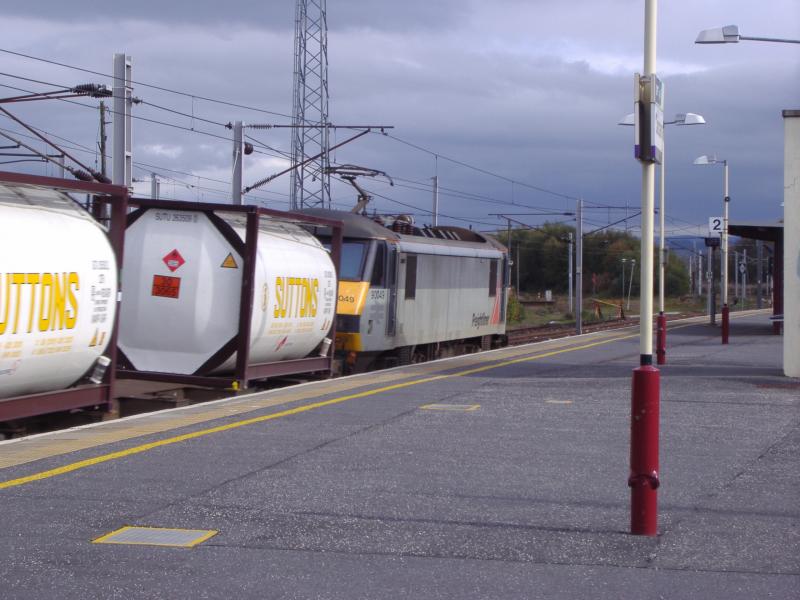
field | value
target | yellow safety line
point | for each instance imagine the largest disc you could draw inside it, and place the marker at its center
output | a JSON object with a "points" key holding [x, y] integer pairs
{"points": [[82, 464]]}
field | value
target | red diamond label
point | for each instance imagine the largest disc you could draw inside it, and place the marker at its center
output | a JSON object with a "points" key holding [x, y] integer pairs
{"points": [[173, 260]]}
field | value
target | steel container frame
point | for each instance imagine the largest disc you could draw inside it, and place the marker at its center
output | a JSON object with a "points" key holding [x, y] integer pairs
{"points": [[245, 372], [115, 200]]}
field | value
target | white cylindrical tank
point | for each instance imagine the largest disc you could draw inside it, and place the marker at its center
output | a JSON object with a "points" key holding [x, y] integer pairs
{"points": [[182, 283], [58, 284]]}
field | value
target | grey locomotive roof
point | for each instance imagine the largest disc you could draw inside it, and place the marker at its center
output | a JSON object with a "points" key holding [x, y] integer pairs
{"points": [[358, 226]]}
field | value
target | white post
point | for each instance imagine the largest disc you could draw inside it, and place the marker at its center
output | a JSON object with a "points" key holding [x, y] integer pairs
{"points": [[759, 273], [791, 244], [648, 204], [153, 186], [121, 174], [569, 270], [744, 277], [436, 202], [579, 269], [630, 284], [236, 182], [724, 262], [661, 209]]}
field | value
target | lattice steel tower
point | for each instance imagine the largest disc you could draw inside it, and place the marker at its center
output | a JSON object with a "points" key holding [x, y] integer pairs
{"points": [[311, 182]]}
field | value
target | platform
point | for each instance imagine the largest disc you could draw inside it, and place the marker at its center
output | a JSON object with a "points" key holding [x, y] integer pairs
{"points": [[496, 475]]}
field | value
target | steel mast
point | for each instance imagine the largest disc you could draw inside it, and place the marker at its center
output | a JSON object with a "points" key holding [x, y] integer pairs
{"points": [[311, 181]]}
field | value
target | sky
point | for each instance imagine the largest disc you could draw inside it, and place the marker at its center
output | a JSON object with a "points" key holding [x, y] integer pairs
{"points": [[512, 104]]}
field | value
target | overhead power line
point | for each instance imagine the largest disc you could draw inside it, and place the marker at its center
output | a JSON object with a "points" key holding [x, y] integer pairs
{"points": [[149, 85], [481, 170]]}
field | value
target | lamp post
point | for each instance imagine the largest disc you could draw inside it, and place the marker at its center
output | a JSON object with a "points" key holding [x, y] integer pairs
{"points": [[706, 160], [622, 302], [661, 321], [730, 35], [643, 479]]}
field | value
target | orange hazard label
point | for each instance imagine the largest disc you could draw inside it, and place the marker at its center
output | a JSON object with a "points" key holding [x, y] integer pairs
{"points": [[229, 262], [166, 286]]}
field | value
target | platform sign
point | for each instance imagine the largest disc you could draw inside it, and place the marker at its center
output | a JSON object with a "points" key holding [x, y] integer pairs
{"points": [[712, 242], [715, 226], [742, 268], [648, 118]]}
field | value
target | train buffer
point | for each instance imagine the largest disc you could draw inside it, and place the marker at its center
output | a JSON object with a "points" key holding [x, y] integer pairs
{"points": [[500, 474]]}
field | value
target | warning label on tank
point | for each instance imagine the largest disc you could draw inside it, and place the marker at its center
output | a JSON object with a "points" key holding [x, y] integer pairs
{"points": [[173, 260], [229, 262], [166, 286]]}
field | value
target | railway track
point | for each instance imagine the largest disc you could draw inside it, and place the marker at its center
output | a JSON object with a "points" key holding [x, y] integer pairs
{"points": [[527, 335], [146, 397]]}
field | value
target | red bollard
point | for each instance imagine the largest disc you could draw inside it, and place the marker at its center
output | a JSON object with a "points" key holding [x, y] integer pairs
{"points": [[661, 339], [726, 323], [643, 479]]}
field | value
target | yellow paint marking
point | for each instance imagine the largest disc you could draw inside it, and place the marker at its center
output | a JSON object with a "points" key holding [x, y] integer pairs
{"points": [[451, 407], [293, 411], [108, 537]]}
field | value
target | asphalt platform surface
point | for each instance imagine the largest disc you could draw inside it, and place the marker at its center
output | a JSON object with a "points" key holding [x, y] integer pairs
{"points": [[378, 496]]}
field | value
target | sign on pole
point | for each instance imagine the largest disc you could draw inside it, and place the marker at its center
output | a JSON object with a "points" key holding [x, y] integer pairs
{"points": [[715, 226], [648, 118]]}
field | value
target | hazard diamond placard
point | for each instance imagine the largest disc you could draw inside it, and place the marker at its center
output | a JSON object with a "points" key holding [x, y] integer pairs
{"points": [[173, 260]]}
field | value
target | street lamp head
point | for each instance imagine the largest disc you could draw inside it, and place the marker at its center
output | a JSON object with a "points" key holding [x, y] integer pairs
{"points": [[627, 120], [719, 35], [689, 119], [706, 160], [680, 119]]}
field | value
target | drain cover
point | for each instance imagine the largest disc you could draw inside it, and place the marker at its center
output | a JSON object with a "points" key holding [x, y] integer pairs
{"points": [[156, 536], [453, 407]]}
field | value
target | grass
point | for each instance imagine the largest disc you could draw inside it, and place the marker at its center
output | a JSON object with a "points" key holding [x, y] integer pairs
{"points": [[558, 312]]}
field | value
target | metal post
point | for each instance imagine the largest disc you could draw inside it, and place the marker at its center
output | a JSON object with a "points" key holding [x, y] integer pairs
{"points": [[236, 183], [700, 273], [508, 238], [153, 186], [630, 282], [579, 269], [744, 279], [436, 201], [759, 272], [103, 139], [569, 270], [712, 286], [122, 121], [661, 321], [622, 301], [725, 309], [517, 270], [645, 389], [736, 293]]}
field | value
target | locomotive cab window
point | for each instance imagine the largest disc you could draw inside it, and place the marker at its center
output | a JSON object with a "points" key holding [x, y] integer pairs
{"points": [[492, 278], [378, 278], [411, 277], [352, 264]]}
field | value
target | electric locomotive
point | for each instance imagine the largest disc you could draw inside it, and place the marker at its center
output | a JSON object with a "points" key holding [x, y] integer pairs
{"points": [[409, 294]]}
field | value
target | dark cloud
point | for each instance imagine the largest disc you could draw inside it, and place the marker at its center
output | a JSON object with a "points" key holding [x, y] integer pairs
{"points": [[529, 90]]}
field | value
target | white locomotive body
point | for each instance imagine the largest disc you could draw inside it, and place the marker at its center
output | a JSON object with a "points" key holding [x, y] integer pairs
{"points": [[182, 286], [58, 290], [416, 294]]}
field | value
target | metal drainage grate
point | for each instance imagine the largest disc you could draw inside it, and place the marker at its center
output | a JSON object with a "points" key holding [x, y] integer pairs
{"points": [[156, 536], [451, 407]]}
